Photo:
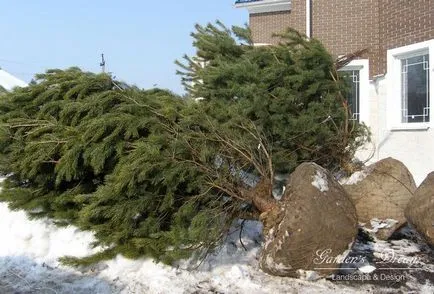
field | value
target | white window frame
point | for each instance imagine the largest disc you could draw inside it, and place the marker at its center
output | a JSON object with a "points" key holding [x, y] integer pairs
{"points": [[362, 65], [394, 85]]}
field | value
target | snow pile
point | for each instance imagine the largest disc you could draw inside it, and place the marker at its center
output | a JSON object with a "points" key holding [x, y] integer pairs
{"points": [[20, 274], [40, 240], [28, 264], [28, 256], [320, 181]]}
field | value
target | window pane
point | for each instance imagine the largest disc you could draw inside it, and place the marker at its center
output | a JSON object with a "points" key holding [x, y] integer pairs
{"points": [[415, 89], [353, 99], [353, 78]]}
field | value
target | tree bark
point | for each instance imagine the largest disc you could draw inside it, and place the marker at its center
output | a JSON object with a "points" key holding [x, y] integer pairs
{"points": [[261, 196]]}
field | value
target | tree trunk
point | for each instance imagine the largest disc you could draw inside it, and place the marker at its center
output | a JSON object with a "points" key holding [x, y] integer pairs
{"points": [[261, 196]]}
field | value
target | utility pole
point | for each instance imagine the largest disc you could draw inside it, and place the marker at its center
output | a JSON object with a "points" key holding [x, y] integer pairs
{"points": [[102, 63]]}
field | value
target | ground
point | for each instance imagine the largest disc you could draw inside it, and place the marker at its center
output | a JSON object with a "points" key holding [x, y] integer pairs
{"points": [[30, 248]]}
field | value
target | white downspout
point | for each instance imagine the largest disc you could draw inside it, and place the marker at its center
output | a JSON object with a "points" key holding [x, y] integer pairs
{"points": [[308, 18]]}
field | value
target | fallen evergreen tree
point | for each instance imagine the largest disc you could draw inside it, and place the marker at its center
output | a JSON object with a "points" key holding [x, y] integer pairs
{"points": [[156, 175]]}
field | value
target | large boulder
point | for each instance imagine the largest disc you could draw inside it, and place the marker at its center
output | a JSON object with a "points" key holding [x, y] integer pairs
{"points": [[313, 226], [382, 195], [420, 210]]}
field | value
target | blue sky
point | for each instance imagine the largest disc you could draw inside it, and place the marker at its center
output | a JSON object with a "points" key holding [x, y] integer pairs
{"points": [[140, 39]]}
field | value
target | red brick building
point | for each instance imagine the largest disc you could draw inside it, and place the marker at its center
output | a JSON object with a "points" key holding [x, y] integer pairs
{"points": [[393, 84]]}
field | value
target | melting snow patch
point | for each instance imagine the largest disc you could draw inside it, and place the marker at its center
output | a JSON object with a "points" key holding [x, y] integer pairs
{"points": [[378, 224], [354, 178], [308, 275], [279, 267], [320, 181], [366, 269]]}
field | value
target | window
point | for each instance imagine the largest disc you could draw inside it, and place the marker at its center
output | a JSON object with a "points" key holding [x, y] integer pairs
{"points": [[410, 86], [357, 75], [353, 98], [415, 89]]}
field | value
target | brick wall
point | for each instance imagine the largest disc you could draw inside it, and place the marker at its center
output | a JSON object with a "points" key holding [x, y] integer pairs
{"points": [[404, 22], [346, 26], [264, 25]]}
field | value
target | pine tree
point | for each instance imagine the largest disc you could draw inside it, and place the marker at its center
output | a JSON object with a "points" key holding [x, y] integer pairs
{"points": [[80, 149], [292, 93], [156, 175], [2, 90]]}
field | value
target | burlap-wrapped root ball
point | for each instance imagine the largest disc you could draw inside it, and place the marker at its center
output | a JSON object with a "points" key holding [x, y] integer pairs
{"points": [[420, 210], [383, 195], [316, 218]]}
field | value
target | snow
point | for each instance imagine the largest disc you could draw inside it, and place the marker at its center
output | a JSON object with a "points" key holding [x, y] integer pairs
{"points": [[366, 269], [277, 267], [42, 241], [320, 181], [20, 274], [354, 178], [30, 248], [9, 82], [378, 224], [309, 275]]}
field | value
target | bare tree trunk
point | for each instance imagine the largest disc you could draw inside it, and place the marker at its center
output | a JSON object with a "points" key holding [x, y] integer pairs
{"points": [[261, 196]]}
